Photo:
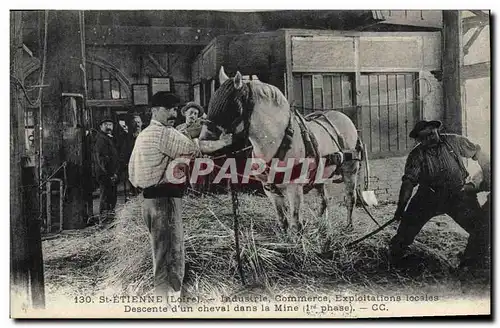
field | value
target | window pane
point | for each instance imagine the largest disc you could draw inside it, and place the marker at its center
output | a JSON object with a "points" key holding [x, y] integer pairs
{"points": [[106, 89], [96, 86]]}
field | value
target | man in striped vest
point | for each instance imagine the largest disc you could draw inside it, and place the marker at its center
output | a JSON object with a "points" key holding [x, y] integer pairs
{"points": [[155, 148]]}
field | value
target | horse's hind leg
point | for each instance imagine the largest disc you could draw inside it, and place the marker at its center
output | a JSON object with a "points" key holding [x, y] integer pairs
{"points": [[278, 200], [323, 194], [350, 175], [295, 197], [323, 212]]}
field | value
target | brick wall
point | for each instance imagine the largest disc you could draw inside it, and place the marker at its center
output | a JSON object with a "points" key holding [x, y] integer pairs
{"points": [[385, 180]]}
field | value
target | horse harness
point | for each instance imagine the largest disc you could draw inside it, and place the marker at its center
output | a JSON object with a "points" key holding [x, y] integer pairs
{"points": [[310, 141]]}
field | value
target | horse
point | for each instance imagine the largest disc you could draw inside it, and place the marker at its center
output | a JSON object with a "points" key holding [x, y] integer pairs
{"points": [[263, 112]]}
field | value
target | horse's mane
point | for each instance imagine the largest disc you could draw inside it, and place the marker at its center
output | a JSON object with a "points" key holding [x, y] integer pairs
{"points": [[266, 92]]}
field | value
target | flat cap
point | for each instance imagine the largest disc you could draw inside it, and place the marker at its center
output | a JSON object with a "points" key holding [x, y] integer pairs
{"points": [[165, 99]]}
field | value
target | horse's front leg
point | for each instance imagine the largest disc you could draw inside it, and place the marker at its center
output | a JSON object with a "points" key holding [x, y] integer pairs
{"points": [[295, 197], [278, 200], [350, 175]]}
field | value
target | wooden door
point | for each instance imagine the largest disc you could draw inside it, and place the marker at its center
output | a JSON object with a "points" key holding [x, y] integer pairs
{"points": [[389, 110]]}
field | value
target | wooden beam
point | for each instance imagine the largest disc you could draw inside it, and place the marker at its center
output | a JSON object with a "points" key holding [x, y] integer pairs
{"points": [[420, 18], [151, 35], [480, 13], [473, 21], [157, 65], [472, 39], [452, 59], [27, 277], [476, 71], [108, 102], [19, 253]]}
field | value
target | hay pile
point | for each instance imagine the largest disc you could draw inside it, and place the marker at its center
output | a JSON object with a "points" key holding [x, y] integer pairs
{"points": [[270, 258]]}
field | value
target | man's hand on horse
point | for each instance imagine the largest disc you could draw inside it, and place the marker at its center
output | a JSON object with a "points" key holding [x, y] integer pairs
{"points": [[227, 138]]}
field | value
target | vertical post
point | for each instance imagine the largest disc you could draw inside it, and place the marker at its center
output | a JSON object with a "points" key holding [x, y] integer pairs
{"points": [[452, 59], [48, 192], [19, 255], [63, 137], [357, 86]]}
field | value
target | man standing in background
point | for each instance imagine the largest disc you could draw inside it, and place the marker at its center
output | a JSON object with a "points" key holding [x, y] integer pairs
{"points": [[106, 166]]}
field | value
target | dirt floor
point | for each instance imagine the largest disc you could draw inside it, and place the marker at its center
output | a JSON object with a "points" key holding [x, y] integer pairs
{"points": [[116, 257]]}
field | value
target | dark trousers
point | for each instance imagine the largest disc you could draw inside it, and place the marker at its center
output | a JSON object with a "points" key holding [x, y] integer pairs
{"points": [[164, 222], [107, 199], [462, 207]]}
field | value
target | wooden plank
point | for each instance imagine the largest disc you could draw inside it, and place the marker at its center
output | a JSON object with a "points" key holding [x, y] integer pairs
{"points": [[307, 93], [347, 87], [405, 52], [322, 54], [410, 108], [401, 107], [327, 90], [347, 104], [337, 92], [365, 112], [393, 112], [476, 71], [374, 113], [383, 112], [317, 92], [150, 35], [297, 92]]}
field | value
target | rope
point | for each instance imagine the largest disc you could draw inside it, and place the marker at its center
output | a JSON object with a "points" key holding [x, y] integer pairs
{"points": [[366, 209], [33, 103], [357, 241], [232, 153], [37, 102], [236, 210], [63, 165]]}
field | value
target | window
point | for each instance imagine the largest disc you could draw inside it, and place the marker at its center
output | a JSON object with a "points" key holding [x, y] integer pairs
{"points": [[388, 105], [101, 84], [313, 92], [389, 110]]}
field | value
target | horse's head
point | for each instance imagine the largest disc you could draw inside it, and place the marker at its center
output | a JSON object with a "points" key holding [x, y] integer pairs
{"points": [[226, 108]]}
